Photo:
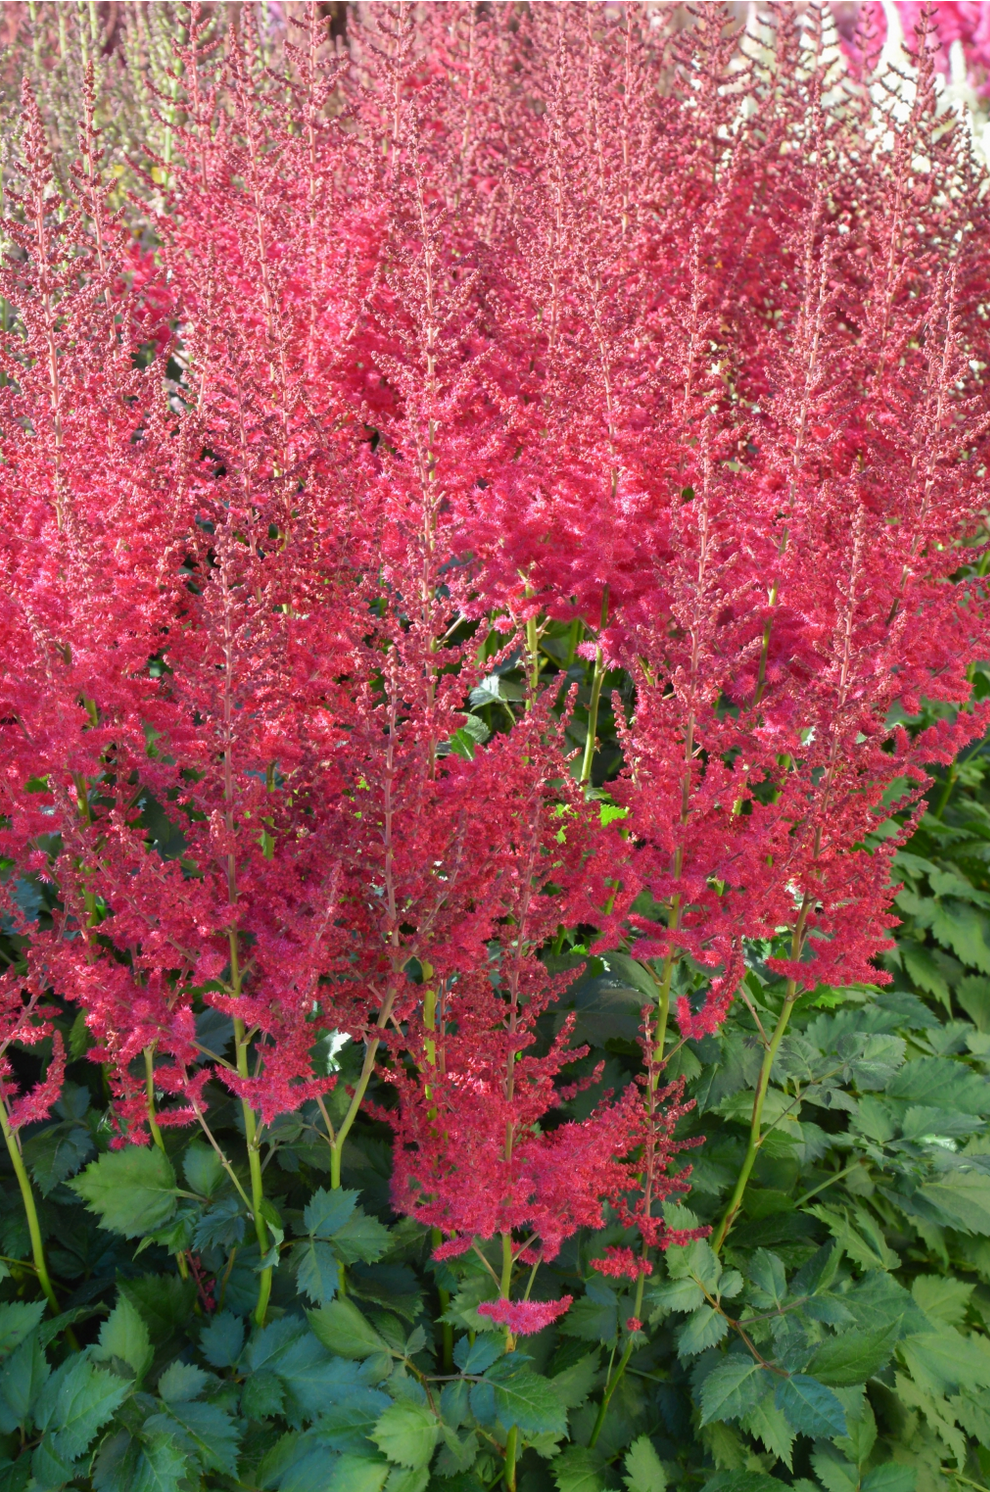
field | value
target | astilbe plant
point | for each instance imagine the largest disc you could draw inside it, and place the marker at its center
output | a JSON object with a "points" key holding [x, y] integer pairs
{"points": [[675, 376]]}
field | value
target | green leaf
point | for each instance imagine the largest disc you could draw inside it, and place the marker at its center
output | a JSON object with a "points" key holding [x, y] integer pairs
{"points": [[354, 1474], [262, 1396], [675, 1295], [573, 1384], [203, 1430], [942, 1084], [181, 1381], [732, 1388], [742, 1481], [525, 1399], [593, 1318], [878, 1302], [943, 1300], [132, 1191], [407, 1433], [24, 1375], [770, 1425], [945, 1360], [576, 1469], [863, 1242], [165, 1303], [128, 1464], [203, 1169], [704, 1328], [348, 1426], [834, 1472], [56, 1153], [768, 1282], [17, 1319], [810, 1407], [696, 1261], [477, 1356], [342, 1328], [222, 1341], [326, 1212], [959, 1199], [644, 1472], [890, 1478], [853, 1356], [76, 1401], [125, 1336], [317, 1271], [407, 1478], [361, 1238]]}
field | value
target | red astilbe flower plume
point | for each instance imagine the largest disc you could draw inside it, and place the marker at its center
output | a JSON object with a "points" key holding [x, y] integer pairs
{"points": [[525, 1317]]}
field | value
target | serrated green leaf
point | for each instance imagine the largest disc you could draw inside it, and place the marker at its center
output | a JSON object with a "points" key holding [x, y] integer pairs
{"points": [[675, 1295], [181, 1381], [879, 1302], [732, 1388], [477, 1356], [317, 1271], [890, 1478], [76, 1401], [24, 1374], [593, 1318], [526, 1399], [348, 1426], [126, 1463], [407, 1478], [132, 1191], [941, 1083], [407, 1433], [644, 1472], [203, 1169], [124, 1335], [17, 1319], [853, 1356], [944, 1300], [705, 1328], [573, 1384], [834, 1472], [945, 1360], [56, 1154], [576, 1469], [361, 1238], [959, 1199], [767, 1281], [262, 1395], [342, 1328], [328, 1211], [767, 1423], [810, 1407], [222, 1341], [202, 1430]]}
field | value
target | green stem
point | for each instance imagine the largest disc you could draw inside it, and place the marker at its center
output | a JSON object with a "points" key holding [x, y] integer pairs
{"points": [[149, 1087], [27, 1196], [597, 679], [337, 1146], [756, 1124], [156, 1134], [512, 1439], [615, 1377], [446, 1330], [946, 793], [257, 1180], [824, 1185], [533, 649]]}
